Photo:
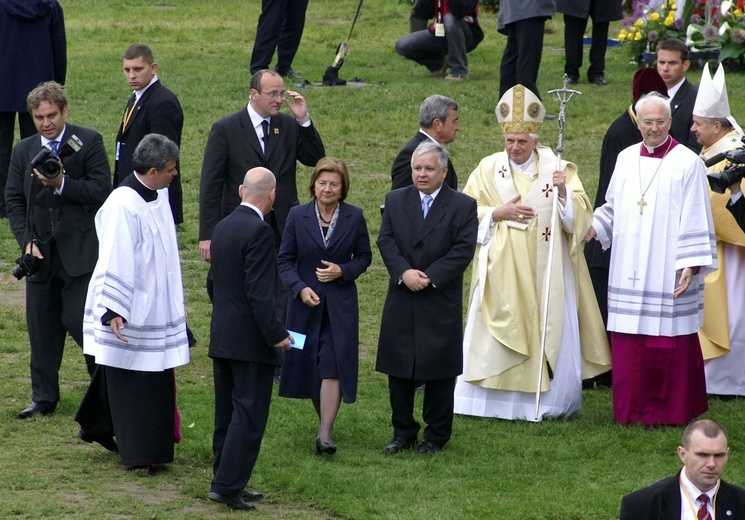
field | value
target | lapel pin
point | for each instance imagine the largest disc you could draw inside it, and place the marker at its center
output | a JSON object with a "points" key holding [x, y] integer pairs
{"points": [[276, 131], [728, 512]]}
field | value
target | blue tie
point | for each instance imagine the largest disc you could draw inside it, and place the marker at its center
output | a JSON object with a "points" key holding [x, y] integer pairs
{"points": [[426, 203], [54, 145]]}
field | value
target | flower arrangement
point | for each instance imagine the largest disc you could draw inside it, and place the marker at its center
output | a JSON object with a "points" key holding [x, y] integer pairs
{"points": [[650, 22], [704, 25]]}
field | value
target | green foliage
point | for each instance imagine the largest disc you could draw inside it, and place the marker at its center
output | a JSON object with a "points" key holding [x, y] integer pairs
{"points": [[565, 469]]}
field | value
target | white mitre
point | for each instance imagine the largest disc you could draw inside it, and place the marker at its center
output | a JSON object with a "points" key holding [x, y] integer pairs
{"points": [[712, 101]]}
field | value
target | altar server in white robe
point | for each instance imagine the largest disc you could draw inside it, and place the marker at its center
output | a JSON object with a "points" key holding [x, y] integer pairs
{"points": [[658, 218], [502, 339], [135, 321], [723, 334]]}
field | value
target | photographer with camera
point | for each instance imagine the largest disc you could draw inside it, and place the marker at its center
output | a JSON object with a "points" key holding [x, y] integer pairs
{"points": [[56, 183], [722, 336]]}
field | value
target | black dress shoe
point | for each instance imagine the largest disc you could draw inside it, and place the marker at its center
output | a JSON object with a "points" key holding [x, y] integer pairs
{"points": [[328, 448], [399, 444], [599, 80], [572, 81], [107, 441], [427, 447], [251, 496], [35, 409], [234, 501]]}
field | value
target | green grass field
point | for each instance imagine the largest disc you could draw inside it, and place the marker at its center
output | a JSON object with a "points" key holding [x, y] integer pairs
{"points": [[565, 469]]}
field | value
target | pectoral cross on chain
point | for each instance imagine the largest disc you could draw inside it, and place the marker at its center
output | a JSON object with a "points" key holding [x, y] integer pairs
{"points": [[641, 205]]}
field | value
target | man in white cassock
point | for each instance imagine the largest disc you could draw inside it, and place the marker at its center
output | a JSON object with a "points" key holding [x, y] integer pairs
{"points": [[657, 216], [722, 335], [502, 341], [135, 321]]}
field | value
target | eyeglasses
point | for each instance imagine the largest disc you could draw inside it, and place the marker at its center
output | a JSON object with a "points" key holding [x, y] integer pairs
{"points": [[649, 123], [275, 94]]}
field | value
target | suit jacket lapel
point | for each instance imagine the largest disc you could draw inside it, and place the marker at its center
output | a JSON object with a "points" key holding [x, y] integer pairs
{"points": [[310, 225], [249, 132], [275, 131], [671, 500], [436, 212], [680, 95]]}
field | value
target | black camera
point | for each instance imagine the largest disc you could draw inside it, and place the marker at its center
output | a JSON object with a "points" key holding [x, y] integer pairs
{"points": [[28, 265], [719, 182], [47, 162]]}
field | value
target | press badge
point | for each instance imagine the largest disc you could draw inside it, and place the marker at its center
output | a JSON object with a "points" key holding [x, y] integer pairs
{"points": [[439, 29]]}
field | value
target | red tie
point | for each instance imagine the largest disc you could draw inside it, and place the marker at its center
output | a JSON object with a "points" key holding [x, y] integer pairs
{"points": [[703, 511]]}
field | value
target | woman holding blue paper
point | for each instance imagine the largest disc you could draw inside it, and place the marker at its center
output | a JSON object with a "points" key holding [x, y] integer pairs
{"points": [[325, 248]]}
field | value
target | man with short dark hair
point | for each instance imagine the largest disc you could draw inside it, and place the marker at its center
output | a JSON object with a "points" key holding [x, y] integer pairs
{"points": [[697, 491], [672, 64], [135, 320], [438, 123], [152, 108], [256, 135], [58, 231]]}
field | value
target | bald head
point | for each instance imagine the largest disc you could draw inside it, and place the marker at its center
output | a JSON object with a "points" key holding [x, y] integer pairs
{"points": [[258, 188]]}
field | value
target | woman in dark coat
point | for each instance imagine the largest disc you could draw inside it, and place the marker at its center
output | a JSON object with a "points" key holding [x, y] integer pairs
{"points": [[325, 248]]}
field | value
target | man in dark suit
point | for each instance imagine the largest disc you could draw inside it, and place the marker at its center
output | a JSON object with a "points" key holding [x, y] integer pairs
{"points": [[246, 336], [280, 27], [58, 230], [34, 50], [152, 109], [672, 64], [427, 239], [576, 14], [438, 123], [239, 142], [697, 491]]}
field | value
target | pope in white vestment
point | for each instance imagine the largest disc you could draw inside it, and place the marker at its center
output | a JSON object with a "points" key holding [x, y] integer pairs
{"points": [[503, 330]]}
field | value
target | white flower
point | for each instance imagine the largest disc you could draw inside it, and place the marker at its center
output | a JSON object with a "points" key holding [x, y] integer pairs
{"points": [[726, 6], [723, 29], [690, 31]]}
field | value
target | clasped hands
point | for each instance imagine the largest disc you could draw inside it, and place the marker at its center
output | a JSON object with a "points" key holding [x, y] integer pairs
{"points": [[416, 280], [328, 274]]}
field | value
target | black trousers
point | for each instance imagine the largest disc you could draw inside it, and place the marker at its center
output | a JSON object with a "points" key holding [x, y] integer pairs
{"points": [[522, 56], [574, 31], [54, 308], [243, 393], [437, 409], [280, 27], [7, 131]]}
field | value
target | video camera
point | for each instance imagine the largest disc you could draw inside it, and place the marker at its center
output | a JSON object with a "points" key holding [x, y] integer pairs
{"points": [[47, 162], [719, 182]]}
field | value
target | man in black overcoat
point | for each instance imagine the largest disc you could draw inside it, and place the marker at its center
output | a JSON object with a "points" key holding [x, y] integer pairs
{"points": [[61, 235], [696, 491], [152, 109], [421, 331], [246, 336]]}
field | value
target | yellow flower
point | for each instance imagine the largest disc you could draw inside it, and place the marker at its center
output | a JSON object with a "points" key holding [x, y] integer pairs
{"points": [[621, 37], [639, 22], [670, 20], [638, 36], [654, 17], [632, 30], [624, 33], [738, 13]]}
